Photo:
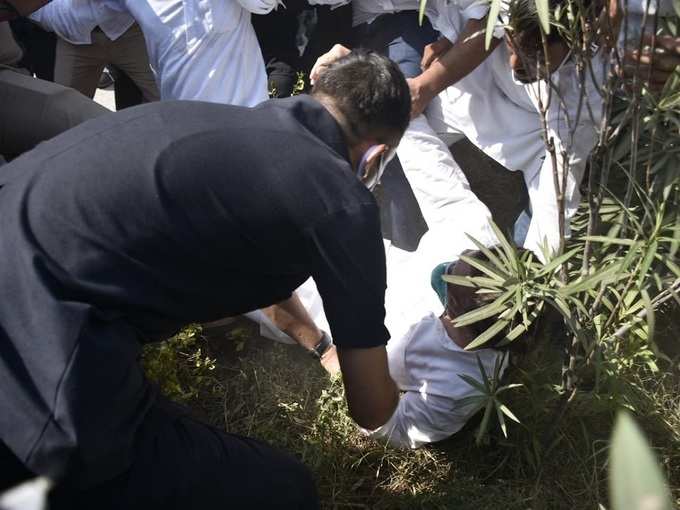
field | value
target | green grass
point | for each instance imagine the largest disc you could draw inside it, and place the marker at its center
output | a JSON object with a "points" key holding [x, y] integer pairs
{"points": [[277, 393]]}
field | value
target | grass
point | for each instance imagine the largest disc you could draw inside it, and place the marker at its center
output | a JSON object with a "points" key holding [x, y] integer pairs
{"points": [[277, 393]]}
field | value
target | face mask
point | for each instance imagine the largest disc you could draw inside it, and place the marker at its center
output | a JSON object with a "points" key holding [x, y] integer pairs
{"points": [[371, 181]]}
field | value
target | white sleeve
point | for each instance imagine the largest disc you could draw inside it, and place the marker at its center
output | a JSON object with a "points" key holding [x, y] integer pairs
{"points": [[333, 3], [574, 131], [259, 6], [418, 421], [46, 16]]}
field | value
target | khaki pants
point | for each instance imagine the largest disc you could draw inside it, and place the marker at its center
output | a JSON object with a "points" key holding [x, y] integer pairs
{"points": [[79, 66]]}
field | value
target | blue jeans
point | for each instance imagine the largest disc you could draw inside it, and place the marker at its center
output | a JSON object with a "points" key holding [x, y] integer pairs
{"points": [[399, 37]]}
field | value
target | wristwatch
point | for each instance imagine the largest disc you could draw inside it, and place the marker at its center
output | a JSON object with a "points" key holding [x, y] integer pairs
{"points": [[324, 344]]}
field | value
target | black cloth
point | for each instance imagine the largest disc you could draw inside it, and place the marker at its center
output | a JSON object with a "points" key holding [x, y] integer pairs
{"points": [[33, 110], [182, 463], [39, 45], [131, 225]]}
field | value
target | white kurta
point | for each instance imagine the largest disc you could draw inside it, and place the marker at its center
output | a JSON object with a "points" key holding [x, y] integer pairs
{"points": [[426, 365], [204, 49], [501, 116], [74, 20]]}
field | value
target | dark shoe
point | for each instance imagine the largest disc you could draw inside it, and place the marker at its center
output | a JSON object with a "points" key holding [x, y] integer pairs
{"points": [[105, 80]]}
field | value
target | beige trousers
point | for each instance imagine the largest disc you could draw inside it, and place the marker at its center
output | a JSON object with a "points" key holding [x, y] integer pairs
{"points": [[79, 66]]}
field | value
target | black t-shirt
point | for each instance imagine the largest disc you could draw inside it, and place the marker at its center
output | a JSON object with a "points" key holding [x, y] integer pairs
{"points": [[133, 224]]}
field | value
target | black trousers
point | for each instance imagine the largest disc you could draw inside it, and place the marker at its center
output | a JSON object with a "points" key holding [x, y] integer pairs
{"points": [[182, 463]]}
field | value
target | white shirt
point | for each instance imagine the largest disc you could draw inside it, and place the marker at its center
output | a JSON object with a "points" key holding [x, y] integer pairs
{"points": [[204, 49], [500, 115], [426, 365], [74, 20], [366, 11]]}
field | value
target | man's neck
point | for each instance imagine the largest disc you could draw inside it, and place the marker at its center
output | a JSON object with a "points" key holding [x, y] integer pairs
{"points": [[456, 335], [354, 149]]}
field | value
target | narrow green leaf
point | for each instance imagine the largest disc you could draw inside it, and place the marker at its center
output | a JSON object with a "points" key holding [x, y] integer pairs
{"points": [[474, 383], [610, 240], [492, 309], [509, 413], [501, 420], [558, 261], [647, 261], [489, 254], [650, 317], [509, 387], [543, 9], [491, 20], [486, 268], [472, 281], [484, 425], [510, 251], [487, 335], [421, 12], [485, 377], [635, 479], [463, 281]]}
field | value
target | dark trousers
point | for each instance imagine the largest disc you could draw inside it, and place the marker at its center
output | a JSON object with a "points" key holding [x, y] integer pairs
{"points": [[277, 35], [39, 48], [182, 463]]}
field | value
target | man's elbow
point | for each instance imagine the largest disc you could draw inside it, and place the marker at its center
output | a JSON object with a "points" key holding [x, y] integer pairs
{"points": [[369, 422], [374, 417]]}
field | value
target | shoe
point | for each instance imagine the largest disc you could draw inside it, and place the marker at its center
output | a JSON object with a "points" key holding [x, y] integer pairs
{"points": [[105, 80]]}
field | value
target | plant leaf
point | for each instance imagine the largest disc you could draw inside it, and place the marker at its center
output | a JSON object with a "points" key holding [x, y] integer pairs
{"points": [[421, 12], [487, 335], [635, 479], [543, 9], [509, 413], [491, 20]]}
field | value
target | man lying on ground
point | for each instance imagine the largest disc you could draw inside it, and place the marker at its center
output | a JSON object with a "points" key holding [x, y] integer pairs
{"points": [[428, 359]]}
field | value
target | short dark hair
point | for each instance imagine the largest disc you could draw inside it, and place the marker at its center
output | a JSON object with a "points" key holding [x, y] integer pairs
{"points": [[370, 92]]}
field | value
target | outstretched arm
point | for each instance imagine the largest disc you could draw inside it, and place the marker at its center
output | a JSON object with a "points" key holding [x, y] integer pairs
{"points": [[291, 317], [445, 64], [372, 396]]}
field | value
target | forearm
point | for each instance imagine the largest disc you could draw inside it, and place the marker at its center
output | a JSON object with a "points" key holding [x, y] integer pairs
{"points": [[372, 395], [291, 317], [459, 61]]}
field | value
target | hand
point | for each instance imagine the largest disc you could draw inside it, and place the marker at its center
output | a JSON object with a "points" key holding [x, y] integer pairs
{"points": [[329, 361], [337, 51], [421, 95], [655, 68], [433, 51]]}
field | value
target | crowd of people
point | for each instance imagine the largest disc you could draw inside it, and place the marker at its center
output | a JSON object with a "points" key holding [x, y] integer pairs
{"points": [[207, 199]]}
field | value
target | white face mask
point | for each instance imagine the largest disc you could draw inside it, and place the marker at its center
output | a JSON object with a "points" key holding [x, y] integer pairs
{"points": [[372, 181]]}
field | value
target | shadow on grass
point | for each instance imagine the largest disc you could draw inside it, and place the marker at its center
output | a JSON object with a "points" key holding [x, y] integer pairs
{"points": [[277, 393]]}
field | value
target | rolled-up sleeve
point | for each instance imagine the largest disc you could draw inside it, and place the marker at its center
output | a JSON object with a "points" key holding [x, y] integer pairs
{"points": [[419, 420]]}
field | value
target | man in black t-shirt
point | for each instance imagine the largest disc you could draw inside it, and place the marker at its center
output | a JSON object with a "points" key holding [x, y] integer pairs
{"points": [[98, 235]]}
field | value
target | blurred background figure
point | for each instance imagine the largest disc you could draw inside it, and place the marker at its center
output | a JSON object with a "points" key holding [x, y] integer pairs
{"points": [[91, 36], [33, 110], [292, 38], [204, 49]]}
